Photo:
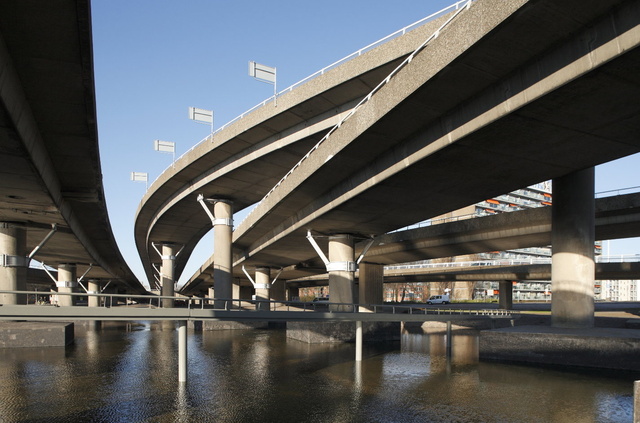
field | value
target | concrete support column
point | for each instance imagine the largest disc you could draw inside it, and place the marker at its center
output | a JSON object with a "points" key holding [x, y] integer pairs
{"points": [[210, 294], [13, 262], [167, 273], [293, 293], [93, 287], [370, 284], [506, 295], [341, 270], [262, 287], [67, 281], [222, 236], [573, 239]]}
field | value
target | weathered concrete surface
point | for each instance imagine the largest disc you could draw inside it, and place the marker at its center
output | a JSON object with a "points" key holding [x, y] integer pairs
{"points": [[35, 334], [606, 348], [328, 332]]}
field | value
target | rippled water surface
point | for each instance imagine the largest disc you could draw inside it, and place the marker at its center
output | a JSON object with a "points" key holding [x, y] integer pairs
{"points": [[128, 373]]}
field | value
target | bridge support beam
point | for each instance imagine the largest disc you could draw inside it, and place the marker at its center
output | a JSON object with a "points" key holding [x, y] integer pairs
{"points": [[293, 293], [573, 239], [370, 283], [93, 287], [506, 295], [167, 273], [263, 288], [14, 263], [67, 280], [341, 268], [222, 236]]}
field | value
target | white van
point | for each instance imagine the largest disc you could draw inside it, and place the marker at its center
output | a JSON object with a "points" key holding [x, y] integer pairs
{"points": [[439, 299]]}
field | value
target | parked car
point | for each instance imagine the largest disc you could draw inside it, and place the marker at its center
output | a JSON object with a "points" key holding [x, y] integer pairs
{"points": [[439, 299]]}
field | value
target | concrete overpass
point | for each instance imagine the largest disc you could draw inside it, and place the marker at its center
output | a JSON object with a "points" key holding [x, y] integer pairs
{"points": [[529, 90], [49, 157], [245, 159], [616, 217]]}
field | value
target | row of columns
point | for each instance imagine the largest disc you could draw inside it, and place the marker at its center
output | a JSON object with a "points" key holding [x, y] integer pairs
{"points": [[573, 234]]}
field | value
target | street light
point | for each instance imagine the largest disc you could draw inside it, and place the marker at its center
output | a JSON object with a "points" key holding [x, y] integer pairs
{"points": [[166, 147], [140, 177], [265, 74]]}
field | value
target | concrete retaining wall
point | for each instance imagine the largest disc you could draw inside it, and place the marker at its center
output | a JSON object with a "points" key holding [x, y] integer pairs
{"points": [[598, 348]]}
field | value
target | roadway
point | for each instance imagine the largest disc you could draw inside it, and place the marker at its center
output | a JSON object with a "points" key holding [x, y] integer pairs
{"points": [[509, 94], [49, 158]]}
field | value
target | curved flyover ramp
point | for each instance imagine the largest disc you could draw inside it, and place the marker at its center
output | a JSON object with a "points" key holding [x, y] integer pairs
{"points": [[510, 94], [245, 159], [49, 159]]}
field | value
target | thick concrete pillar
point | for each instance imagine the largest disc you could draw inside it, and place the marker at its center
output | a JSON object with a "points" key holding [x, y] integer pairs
{"points": [[279, 290], [167, 273], [341, 270], [370, 284], [263, 288], [506, 295], [293, 293], [67, 281], [93, 287], [210, 294], [222, 236], [13, 262], [573, 239]]}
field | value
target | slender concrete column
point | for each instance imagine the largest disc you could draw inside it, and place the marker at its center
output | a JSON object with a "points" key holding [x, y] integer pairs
{"points": [[341, 269], [182, 351], [67, 280], [13, 262], [167, 273], [573, 238], [358, 340], [222, 236], [370, 284], [506, 295], [93, 287], [263, 286]]}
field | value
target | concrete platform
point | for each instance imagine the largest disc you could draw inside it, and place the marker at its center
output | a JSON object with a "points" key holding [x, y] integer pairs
{"points": [[605, 348], [35, 334]]}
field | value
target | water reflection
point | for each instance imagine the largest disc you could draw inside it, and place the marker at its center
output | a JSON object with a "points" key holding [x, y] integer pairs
{"points": [[128, 372]]}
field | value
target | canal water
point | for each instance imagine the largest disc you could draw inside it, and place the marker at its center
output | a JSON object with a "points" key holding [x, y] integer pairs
{"points": [[127, 372]]}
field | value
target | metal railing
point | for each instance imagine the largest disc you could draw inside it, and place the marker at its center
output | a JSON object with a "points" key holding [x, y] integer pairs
{"points": [[120, 301], [456, 6]]}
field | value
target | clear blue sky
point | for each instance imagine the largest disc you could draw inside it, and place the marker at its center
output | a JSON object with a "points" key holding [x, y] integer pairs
{"points": [[155, 58]]}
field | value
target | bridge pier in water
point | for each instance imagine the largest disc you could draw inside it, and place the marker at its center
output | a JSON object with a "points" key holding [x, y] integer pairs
{"points": [[67, 280], [506, 295], [341, 268], [167, 273], [222, 236], [13, 267], [573, 239]]}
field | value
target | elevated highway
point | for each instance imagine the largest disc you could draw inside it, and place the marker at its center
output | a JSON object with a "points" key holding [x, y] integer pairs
{"points": [[508, 94], [616, 217], [245, 159], [49, 158]]}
